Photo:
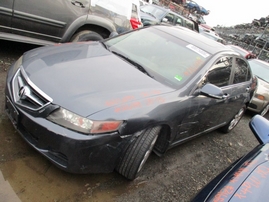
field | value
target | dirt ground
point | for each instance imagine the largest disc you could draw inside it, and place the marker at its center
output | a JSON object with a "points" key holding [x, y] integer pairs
{"points": [[25, 175]]}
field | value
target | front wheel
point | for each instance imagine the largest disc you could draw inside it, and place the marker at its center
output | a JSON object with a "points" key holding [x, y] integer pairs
{"points": [[137, 153], [86, 35], [235, 120]]}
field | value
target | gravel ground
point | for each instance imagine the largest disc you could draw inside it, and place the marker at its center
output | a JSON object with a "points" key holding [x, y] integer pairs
{"points": [[177, 176]]}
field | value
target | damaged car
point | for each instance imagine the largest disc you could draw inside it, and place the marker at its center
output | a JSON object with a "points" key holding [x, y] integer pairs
{"points": [[96, 107]]}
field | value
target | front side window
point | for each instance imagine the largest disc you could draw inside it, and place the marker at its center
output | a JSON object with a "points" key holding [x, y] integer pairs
{"points": [[170, 18], [219, 74], [178, 21], [241, 71]]}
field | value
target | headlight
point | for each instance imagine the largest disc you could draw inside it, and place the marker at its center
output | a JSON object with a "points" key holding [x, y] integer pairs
{"points": [[75, 122]]}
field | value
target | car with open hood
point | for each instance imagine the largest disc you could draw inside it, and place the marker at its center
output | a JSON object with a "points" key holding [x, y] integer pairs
{"points": [[96, 107]]}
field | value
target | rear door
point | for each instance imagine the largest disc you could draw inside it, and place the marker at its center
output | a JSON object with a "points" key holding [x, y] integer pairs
{"points": [[6, 10], [240, 88], [47, 19]]}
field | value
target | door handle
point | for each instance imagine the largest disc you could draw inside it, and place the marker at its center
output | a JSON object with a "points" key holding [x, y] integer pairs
{"points": [[78, 4], [247, 89]]}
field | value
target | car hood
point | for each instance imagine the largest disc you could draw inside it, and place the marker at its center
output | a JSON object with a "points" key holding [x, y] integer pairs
{"points": [[86, 78]]}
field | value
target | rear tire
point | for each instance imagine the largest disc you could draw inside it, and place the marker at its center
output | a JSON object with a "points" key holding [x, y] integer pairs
{"points": [[235, 120], [86, 35], [137, 153]]}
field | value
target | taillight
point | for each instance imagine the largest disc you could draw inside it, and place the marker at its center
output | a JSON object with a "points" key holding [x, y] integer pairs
{"points": [[135, 23]]}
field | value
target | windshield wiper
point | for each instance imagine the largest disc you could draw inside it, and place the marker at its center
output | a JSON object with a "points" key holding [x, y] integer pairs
{"points": [[140, 67]]}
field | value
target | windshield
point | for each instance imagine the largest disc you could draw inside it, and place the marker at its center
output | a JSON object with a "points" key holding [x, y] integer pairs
{"points": [[164, 57], [156, 12], [259, 69]]}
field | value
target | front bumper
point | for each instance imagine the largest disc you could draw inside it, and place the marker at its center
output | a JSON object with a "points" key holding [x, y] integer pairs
{"points": [[67, 149]]}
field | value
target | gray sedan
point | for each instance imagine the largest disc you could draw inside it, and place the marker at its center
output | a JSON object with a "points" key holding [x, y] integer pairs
{"points": [[260, 100]]}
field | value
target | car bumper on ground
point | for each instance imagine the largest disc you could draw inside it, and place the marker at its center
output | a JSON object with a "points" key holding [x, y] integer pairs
{"points": [[68, 150]]}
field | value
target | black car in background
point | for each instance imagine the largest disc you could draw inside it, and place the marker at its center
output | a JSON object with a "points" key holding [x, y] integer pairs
{"points": [[247, 179], [58, 21], [93, 107], [155, 15]]}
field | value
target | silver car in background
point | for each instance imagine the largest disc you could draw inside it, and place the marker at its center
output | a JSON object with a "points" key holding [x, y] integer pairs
{"points": [[260, 100]]}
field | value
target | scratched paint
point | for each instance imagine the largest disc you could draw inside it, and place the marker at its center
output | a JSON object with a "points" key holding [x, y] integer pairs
{"points": [[138, 104], [193, 68], [128, 98]]}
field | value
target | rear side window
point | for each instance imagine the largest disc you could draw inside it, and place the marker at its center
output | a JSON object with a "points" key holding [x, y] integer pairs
{"points": [[170, 17], [241, 71]]}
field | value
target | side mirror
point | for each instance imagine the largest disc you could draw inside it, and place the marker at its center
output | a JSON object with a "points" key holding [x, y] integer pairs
{"points": [[260, 128], [213, 91]]}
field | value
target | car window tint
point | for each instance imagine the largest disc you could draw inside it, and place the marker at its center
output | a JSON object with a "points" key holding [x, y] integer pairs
{"points": [[241, 71], [178, 21], [220, 73], [190, 25], [170, 17]]}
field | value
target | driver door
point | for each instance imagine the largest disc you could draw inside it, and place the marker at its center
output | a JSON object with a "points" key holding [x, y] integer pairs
{"points": [[206, 112]]}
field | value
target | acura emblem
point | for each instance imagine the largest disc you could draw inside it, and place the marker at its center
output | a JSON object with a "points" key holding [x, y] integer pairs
{"points": [[24, 92]]}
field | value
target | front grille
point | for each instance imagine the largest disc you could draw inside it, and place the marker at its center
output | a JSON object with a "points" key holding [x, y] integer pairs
{"points": [[26, 94]]}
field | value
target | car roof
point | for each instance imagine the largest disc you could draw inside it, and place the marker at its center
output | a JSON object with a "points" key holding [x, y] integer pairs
{"points": [[194, 38]]}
